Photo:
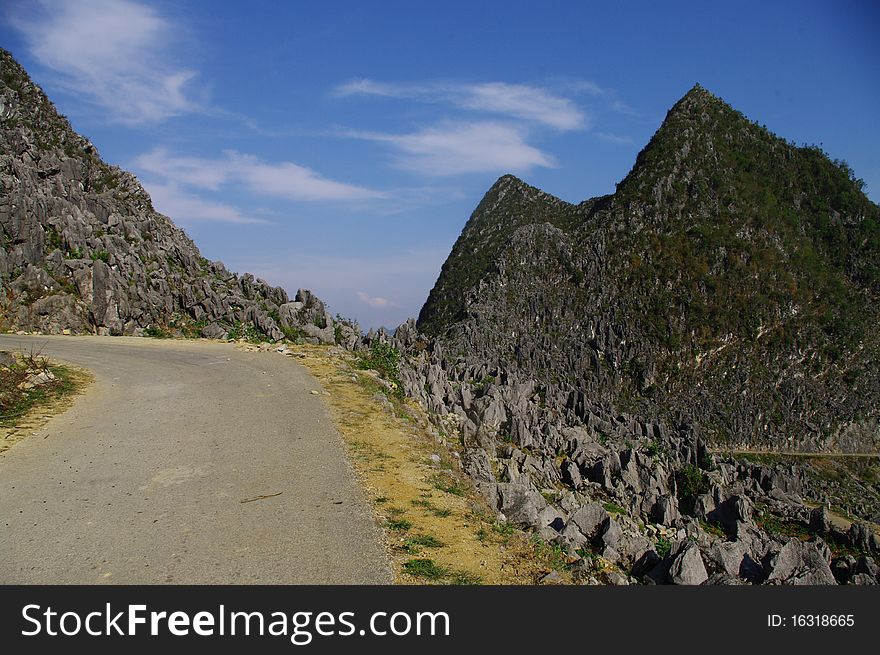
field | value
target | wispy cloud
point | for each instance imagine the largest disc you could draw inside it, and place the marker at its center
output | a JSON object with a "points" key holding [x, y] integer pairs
{"points": [[622, 108], [453, 148], [519, 101], [585, 86], [373, 301], [184, 207], [619, 139], [112, 52], [282, 180]]}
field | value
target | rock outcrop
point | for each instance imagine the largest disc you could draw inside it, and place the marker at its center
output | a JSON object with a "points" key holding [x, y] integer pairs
{"points": [[590, 359], [82, 249], [732, 281]]}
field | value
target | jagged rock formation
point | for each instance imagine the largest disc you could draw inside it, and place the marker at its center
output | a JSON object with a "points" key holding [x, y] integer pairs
{"points": [[587, 356], [731, 281], [635, 500], [83, 250]]}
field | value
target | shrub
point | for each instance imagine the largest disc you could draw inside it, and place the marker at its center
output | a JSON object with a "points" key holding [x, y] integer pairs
{"points": [[385, 360], [692, 481], [244, 331], [156, 332], [663, 546], [17, 397]]}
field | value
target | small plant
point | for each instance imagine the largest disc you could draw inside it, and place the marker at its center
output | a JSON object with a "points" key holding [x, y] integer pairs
{"points": [[712, 528], [553, 554], [103, 255], [425, 568], [18, 391], [398, 525], [503, 528], [778, 526], [427, 540], [692, 482], [586, 553], [448, 484], [385, 360], [663, 546], [53, 238], [419, 541], [291, 333], [433, 509], [465, 578], [156, 332], [244, 331], [613, 508], [656, 449]]}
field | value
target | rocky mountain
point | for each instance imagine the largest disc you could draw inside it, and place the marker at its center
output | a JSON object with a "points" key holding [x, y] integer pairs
{"points": [[580, 359], [731, 282], [585, 359], [83, 250]]}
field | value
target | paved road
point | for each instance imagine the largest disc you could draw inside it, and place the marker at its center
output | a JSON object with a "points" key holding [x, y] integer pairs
{"points": [[141, 481]]}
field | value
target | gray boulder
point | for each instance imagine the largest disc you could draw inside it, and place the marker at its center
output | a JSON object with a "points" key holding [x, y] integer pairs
{"points": [[799, 563], [585, 524], [214, 331], [520, 503], [819, 522], [688, 567], [665, 511]]}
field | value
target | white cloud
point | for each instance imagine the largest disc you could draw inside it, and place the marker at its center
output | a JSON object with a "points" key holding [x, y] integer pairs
{"points": [[373, 88], [619, 139], [622, 108], [520, 101], [455, 148], [192, 171], [114, 52], [590, 88], [525, 102], [295, 182], [284, 179], [184, 207], [373, 301]]}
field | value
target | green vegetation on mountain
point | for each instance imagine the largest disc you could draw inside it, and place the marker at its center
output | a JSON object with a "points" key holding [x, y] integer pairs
{"points": [[731, 280]]}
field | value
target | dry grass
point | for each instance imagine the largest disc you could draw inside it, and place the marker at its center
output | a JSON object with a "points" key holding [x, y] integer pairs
{"points": [[438, 531], [24, 409]]}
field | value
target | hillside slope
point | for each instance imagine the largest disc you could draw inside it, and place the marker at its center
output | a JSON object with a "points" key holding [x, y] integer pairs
{"points": [[83, 250], [731, 282]]}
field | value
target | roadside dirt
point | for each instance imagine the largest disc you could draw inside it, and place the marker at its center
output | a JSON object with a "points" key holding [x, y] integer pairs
{"points": [[78, 380], [437, 530]]}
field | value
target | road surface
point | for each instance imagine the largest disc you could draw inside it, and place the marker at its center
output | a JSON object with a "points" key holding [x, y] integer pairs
{"points": [[142, 480]]}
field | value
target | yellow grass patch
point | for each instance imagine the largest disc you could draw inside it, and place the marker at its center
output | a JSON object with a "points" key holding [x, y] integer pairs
{"points": [[437, 530]]}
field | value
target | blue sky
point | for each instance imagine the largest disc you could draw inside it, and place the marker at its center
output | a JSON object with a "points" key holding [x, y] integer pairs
{"points": [[341, 146]]}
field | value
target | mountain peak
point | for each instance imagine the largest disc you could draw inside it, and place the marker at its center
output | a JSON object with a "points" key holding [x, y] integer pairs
{"points": [[724, 240], [508, 179], [507, 182], [698, 98]]}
